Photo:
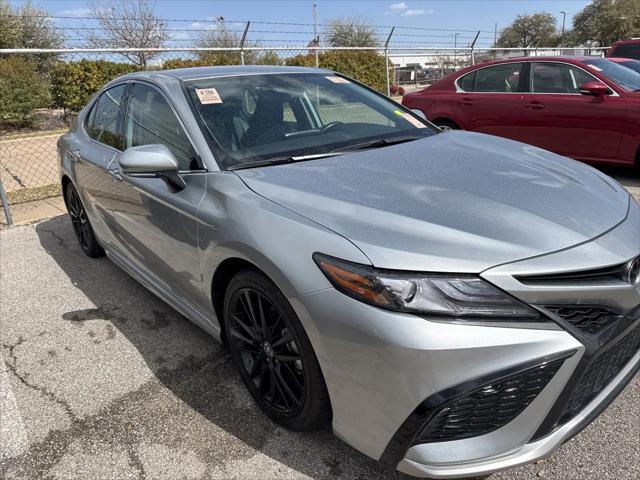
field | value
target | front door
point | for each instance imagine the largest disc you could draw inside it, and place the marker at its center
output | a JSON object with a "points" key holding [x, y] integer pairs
{"points": [[556, 117]]}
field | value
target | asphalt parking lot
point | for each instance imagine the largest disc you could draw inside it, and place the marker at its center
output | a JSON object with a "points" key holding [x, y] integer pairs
{"points": [[101, 380]]}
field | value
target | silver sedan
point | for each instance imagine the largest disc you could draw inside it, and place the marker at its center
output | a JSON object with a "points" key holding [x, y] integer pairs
{"points": [[453, 303]]}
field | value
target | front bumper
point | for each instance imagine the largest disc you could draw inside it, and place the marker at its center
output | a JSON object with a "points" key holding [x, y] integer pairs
{"points": [[380, 365]]}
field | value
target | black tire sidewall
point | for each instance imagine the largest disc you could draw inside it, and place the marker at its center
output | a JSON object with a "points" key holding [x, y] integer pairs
{"points": [[93, 248]]}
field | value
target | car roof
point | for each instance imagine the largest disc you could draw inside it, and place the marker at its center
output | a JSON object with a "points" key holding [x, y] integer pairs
{"points": [[219, 71], [622, 59], [623, 42], [563, 58]]}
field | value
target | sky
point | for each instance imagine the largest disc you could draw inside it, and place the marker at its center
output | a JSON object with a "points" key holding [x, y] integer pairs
{"points": [[443, 16]]}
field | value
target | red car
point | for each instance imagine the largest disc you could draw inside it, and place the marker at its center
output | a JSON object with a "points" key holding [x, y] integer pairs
{"points": [[625, 48], [583, 107]]}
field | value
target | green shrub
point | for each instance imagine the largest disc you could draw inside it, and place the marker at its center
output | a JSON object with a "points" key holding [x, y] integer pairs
{"points": [[22, 90], [366, 66], [183, 63], [74, 83]]}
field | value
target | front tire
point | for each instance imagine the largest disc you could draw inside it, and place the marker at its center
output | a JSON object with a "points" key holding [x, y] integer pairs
{"points": [[81, 225], [273, 354], [446, 125]]}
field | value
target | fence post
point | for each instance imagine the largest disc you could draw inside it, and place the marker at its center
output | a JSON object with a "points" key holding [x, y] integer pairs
{"points": [[386, 60], [5, 204], [473, 44], [244, 36]]}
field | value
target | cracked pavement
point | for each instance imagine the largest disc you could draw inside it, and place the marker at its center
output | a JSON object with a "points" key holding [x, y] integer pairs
{"points": [[100, 379]]}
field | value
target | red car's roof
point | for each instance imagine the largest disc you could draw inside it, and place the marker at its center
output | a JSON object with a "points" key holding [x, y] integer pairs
{"points": [[624, 42]]}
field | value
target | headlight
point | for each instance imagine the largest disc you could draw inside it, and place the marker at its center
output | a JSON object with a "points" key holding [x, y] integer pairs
{"points": [[461, 297]]}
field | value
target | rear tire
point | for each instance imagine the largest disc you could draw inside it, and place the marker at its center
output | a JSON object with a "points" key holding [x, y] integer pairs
{"points": [[446, 125], [81, 225], [273, 354]]}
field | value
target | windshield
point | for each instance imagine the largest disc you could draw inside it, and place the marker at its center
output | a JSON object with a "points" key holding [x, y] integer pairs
{"points": [[254, 118], [623, 76]]}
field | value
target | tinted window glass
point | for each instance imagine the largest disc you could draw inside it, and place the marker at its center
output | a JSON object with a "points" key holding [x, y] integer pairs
{"points": [[623, 76], [499, 78], [150, 120], [627, 50], [548, 77], [104, 122], [632, 64], [466, 82]]}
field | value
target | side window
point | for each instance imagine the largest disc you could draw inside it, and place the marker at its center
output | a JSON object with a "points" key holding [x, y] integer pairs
{"points": [[104, 123], [150, 120], [549, 77], [499, 78], [466, 82]]}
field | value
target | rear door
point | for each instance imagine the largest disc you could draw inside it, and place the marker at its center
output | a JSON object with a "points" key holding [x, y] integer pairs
{"points": [[557, 117], [155, 223], [91, 159], [488, 100]]}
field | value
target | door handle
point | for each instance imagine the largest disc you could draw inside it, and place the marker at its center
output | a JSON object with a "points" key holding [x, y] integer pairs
{"points": [[534, 105], [115, 173], [74, 155], [467, 101]]}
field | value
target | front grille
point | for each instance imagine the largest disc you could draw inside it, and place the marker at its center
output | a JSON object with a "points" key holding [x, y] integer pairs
{"points": [[601, 372], [489, 407], [589, 319]]}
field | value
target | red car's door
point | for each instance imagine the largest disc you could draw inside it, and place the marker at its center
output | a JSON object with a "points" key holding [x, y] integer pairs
{"points": [[557, 117], [488, 100]]}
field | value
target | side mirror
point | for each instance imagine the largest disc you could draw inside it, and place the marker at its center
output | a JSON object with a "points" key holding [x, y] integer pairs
{"points": [[596, 89], [151, 161], [419, 113]]}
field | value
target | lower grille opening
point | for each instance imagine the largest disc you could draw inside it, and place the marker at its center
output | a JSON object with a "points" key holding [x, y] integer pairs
{"points": [[488, 407], [600, 373], [589, 319]]}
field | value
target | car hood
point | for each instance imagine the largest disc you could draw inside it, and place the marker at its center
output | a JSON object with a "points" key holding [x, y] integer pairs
{"points": [[456, 201]]}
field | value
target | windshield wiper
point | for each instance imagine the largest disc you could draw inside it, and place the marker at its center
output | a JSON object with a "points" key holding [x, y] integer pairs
{"points": [[280, 160], [380, 142]]}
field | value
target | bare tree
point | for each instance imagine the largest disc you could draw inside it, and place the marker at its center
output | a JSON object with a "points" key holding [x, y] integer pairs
{"points": [[127, 24], [221, 36]]}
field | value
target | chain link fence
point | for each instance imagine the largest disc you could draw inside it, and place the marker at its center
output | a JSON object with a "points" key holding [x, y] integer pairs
{"points": [[50, 86]]}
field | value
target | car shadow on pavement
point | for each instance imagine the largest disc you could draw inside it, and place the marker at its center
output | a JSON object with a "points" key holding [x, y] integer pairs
{"points": [[203, 406]]}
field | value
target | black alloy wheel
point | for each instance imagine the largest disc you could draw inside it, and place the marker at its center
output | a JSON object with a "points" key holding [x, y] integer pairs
{"points": [[81, 225], [273, 354]]}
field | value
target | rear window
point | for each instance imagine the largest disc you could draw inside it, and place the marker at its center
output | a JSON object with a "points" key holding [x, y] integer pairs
{"points": [[627, 50], [504, 78]]}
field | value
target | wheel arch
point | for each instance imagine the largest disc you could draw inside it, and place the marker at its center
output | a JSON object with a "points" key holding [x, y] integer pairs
{"points": [[443, 118]]}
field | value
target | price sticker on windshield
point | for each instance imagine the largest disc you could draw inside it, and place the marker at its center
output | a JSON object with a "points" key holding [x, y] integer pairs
{"points": [[336, 79], [410, 118], [208, 96]]}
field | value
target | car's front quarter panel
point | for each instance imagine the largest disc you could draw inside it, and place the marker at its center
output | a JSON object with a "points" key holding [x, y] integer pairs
{"points": [[235, 222]]}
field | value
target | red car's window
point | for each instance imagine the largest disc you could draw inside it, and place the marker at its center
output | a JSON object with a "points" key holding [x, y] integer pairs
{"points": [[549, 77], [503, 78]]}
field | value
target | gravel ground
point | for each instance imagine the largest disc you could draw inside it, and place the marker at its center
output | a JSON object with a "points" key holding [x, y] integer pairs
{"points": [[100, 379]]}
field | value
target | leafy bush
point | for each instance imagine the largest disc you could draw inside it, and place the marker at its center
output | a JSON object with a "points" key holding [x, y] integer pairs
{"points": [[22, 90], [366, 66], [74, 83], [184, 63]]}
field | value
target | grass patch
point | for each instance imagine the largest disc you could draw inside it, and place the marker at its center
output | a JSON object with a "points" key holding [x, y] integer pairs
{"points": [[26, 195]]}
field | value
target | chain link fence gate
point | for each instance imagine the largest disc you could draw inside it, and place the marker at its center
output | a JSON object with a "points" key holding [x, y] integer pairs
{"points": [[62, 81]]}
